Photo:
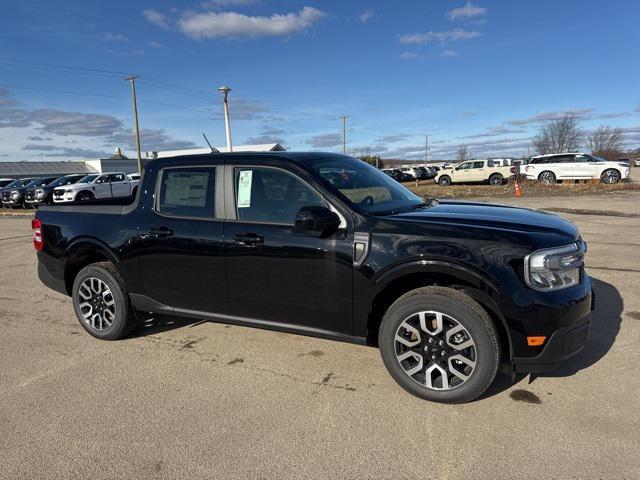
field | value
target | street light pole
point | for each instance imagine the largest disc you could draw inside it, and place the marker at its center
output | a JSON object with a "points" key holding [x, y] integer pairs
{"points": [[225, 90]]}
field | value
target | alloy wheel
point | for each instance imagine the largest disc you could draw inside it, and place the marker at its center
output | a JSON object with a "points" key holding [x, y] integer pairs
{"points": [[435, 350], [547, 178], [97, 305], [610, 176]]}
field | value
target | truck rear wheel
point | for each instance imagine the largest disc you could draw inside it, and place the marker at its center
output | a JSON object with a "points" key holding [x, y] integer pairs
{"points": [[440, 345], [496, 179], [101, 302]]}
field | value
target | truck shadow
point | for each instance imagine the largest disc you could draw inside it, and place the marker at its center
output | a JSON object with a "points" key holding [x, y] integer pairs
{"points": [[605, 325]]}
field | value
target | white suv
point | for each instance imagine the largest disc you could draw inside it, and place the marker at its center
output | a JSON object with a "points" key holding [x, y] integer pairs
{"points": [[574, 166]]}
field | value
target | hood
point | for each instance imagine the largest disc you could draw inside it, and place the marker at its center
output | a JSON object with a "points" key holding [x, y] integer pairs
{"points": [[500, 217], [73, 185]]}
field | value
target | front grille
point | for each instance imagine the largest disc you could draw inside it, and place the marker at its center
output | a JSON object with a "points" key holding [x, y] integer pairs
{"points": [[58, 194], [6, 196]]}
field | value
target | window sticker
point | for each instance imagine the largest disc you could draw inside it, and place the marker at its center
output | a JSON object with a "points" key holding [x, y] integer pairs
{"points": [[186, 189], [244, 188]]}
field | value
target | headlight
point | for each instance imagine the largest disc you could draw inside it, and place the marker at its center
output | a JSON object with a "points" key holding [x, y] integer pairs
{"points": [[15, 194], [39, 193], [68, 190], [554, 268]]}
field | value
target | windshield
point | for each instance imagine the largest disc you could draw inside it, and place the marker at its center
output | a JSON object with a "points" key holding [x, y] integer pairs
{"points": [[40, 182], [87, 179], [66, 180], [19, 183], [365, 187]]}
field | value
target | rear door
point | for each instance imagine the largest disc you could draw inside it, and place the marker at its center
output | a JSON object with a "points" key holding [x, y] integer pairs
{"points": [[182, 252], [119, 185], [562, 166], [477, 172], [101, 188], [276, 273]]}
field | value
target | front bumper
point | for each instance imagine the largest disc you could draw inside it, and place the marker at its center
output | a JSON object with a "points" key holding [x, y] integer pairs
{"points": [[563, 344]]}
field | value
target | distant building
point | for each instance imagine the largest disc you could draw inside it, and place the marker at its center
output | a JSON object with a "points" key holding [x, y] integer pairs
{"points": [[43, 169], [116, 163]]}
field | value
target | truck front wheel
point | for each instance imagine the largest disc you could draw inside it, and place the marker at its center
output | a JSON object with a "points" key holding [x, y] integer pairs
{"points": [[440, 345], [445, 180], [101, 302]]}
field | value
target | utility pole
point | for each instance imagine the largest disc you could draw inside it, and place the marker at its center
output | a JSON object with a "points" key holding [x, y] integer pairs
{"points": [[426, 148], [344, 133], [132, 79]]}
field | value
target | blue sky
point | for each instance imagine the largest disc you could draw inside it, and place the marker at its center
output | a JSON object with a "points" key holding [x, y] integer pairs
{"points": [[481, 73]]}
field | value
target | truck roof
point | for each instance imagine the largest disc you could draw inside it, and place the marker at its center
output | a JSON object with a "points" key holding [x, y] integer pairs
{"points": [[296, 157]]}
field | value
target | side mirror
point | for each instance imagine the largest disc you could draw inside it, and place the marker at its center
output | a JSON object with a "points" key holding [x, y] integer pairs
{"points": [[317, 219]]}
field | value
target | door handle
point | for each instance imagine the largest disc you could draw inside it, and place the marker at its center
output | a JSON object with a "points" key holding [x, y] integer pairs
{"points": [[161, 232], [248, 238]]}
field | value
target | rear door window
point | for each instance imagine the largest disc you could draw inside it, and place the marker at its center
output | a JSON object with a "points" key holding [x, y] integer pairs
{"points": [[187, 192]]}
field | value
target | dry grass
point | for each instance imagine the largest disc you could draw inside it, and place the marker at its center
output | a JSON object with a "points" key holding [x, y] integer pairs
{"points": [[529, 189]]}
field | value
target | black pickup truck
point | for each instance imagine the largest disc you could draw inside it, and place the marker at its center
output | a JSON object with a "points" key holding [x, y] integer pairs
{"points": [[326, 245]]}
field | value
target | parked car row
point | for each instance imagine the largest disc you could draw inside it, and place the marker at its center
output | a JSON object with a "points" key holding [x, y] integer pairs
{"points": [[548, 169], [409, 173], [33, 192]]}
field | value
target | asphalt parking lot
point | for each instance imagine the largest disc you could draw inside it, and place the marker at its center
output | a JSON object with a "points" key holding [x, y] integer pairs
{"points": [[187, 399]]}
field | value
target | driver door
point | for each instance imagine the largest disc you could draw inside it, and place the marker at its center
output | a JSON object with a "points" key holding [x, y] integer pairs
{"points": [[462, 173], [275, 272]]}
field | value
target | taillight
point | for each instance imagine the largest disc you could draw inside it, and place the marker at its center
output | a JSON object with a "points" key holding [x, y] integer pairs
{"points": [[36, 226]]}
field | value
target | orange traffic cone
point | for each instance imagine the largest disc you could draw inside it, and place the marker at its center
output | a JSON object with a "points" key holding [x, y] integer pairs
{"points": [[516, 189]]}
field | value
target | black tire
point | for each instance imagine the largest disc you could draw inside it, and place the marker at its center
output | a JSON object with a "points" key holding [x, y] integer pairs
{"points": [[467, 313], [610, 176], [496, 179], [85, 196], [124, 320], [444, 181], [547, 177]]}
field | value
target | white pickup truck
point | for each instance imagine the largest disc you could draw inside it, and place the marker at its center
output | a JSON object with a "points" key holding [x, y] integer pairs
{"points": [[96, 186], [476, 171]]}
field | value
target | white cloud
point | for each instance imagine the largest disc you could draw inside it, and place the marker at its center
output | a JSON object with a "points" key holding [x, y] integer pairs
{"points": [[325, 140], [442, 37], [237, 25], [448, 53], [115, 37], [156, 18], [226, 3], [579, 113], [364, 17], [409, 56], [614, 115], [466, 12], [154, 44]]}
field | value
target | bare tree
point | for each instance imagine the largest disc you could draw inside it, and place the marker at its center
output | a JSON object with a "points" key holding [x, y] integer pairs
{"points": [[463, 153], [559, 136], [606, 142]]}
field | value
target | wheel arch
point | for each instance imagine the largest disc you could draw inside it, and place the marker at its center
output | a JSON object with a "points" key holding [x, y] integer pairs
{"points": [[399, 281], [82, 252]]}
